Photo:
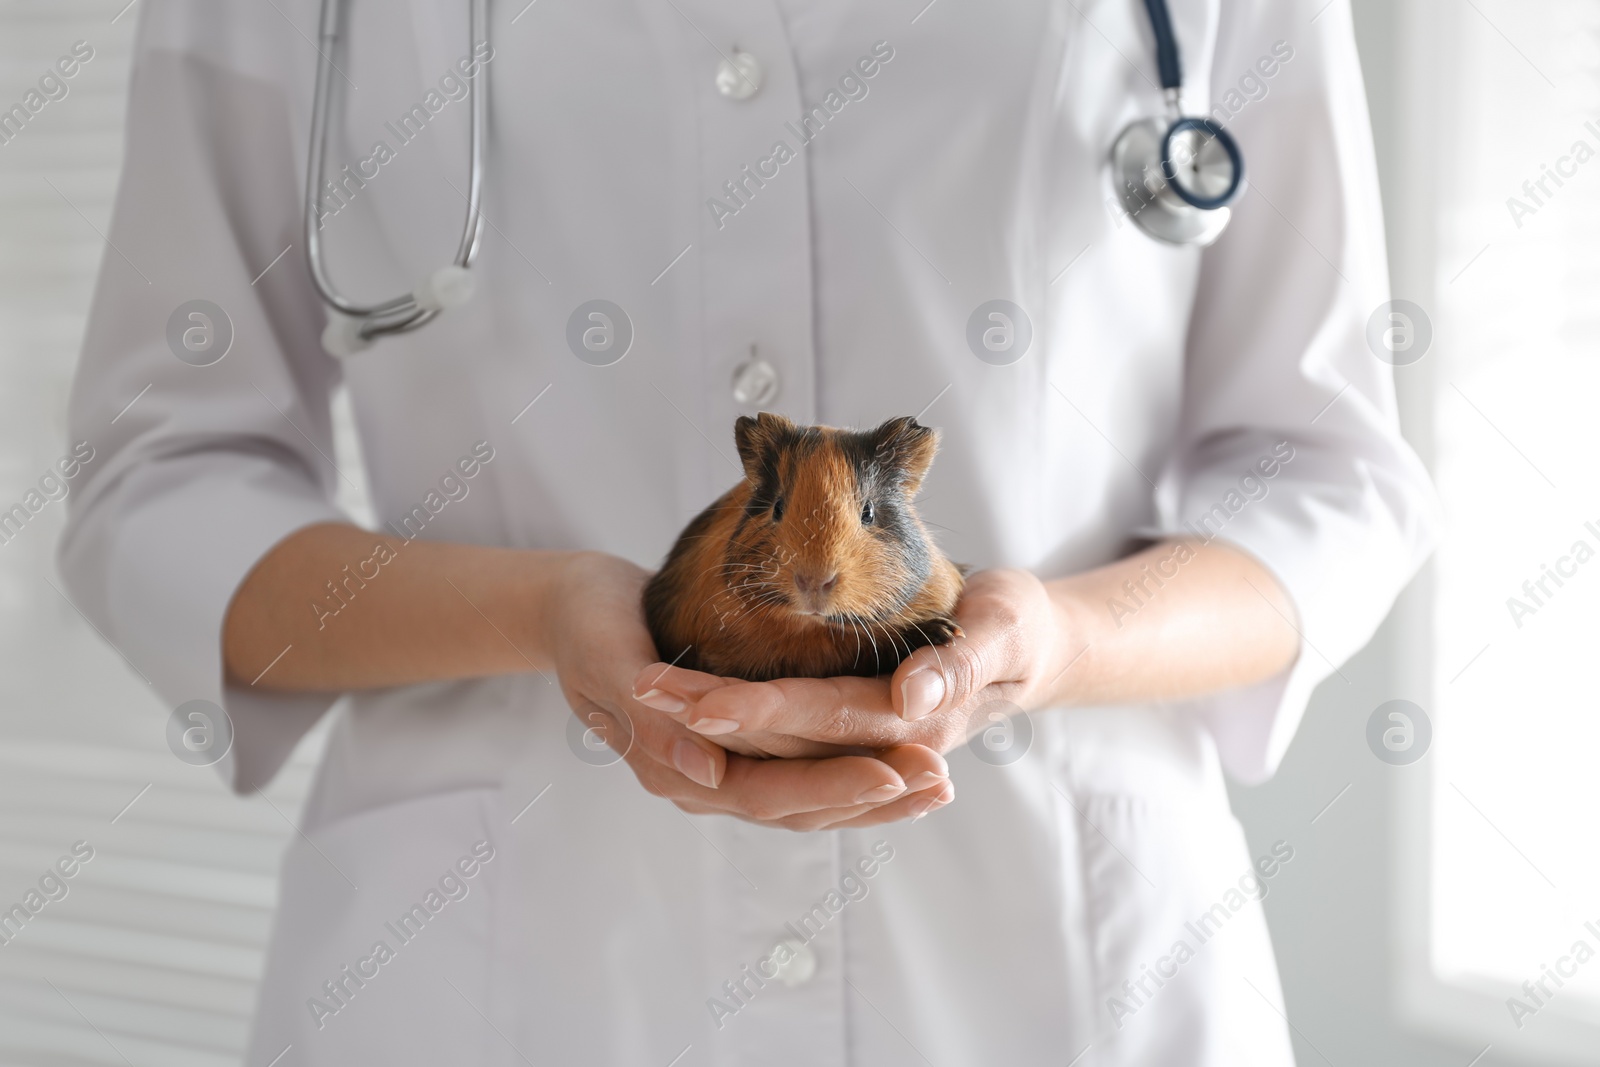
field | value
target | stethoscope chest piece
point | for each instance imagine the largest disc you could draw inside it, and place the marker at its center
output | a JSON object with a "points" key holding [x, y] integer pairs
{"points": [[1174, 178]]}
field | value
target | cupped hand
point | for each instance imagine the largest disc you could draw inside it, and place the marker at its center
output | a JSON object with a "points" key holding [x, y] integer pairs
{"points": [[1016, 644], [595, 631]]}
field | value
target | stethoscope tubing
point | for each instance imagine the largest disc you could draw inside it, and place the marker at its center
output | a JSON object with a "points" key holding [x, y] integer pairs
{"points": [[402, 312], [1167, 62]]}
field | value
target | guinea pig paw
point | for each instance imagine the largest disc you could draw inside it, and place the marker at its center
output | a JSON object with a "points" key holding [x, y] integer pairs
{"points": [[941, 631]]}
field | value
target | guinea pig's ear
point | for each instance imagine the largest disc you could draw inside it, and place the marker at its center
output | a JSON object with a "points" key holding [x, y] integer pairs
{"points": [[907, 446], [758, 440]]}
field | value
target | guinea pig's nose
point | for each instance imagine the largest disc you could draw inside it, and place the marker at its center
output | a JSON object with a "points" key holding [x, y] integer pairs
{"points": [[809, 583]]}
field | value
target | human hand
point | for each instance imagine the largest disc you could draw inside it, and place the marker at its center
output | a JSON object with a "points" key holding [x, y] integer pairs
{"points": [[594, 628], [1016, 644]]}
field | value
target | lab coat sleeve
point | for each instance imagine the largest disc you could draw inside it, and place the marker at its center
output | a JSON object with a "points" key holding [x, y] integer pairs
{"points": [[199, 470], [1278, 365]]}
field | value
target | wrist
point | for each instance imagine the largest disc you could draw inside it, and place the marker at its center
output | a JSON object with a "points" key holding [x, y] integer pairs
{"points": [[549, 581], [1077, 627]]}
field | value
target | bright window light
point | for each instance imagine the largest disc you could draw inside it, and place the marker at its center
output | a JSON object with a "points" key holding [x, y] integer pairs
{"points": [[1516, 789]]}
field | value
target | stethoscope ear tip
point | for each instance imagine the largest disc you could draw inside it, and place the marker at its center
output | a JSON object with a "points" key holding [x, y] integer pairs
{"points": [[445, 288], [341, 338]]}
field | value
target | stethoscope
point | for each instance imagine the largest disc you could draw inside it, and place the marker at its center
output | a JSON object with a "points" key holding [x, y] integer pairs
{"points": [[1175, 175], [353, 326]]}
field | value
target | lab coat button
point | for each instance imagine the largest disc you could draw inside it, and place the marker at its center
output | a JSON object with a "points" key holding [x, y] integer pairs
{"points": [[798, 968], [739, 77], [755, 382]]}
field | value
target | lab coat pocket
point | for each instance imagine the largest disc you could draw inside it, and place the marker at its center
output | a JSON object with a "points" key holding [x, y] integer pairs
{"points": [[381, 947], [1181, 965]]}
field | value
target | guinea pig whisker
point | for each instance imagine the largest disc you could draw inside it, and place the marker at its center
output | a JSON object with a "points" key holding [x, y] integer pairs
{"points": [[708, 602], [866, 628], [756, 595], [893, 637], [853, 626], [874, 627], [729, 586], [936, 657]]}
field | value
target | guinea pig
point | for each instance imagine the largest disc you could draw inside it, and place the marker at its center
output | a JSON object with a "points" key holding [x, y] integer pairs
{"points": [[815, 565]]}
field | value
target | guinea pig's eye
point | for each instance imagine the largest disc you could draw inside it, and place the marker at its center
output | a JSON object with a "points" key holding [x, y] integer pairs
{"points": [[777, 510], [867, 514]]}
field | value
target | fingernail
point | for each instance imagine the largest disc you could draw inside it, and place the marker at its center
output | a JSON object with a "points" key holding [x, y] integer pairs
{"points": [[694, 764], [921, 692], [714, 726], [655, 698], [880, 793], [927, 804], [925, 780]]}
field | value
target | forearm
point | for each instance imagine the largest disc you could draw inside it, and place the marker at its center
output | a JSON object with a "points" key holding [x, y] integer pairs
{"points": [[1176, 620], [355, 610]]}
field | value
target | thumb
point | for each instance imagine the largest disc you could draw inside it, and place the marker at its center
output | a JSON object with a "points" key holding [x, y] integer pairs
{"points": [[937, 677]]}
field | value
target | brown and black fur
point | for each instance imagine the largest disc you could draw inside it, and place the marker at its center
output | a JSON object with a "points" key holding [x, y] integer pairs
{"points": [[743, 592]]}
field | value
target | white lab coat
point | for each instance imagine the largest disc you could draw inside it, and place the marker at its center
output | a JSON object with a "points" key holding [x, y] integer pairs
{"points": [[1002, 929]]}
